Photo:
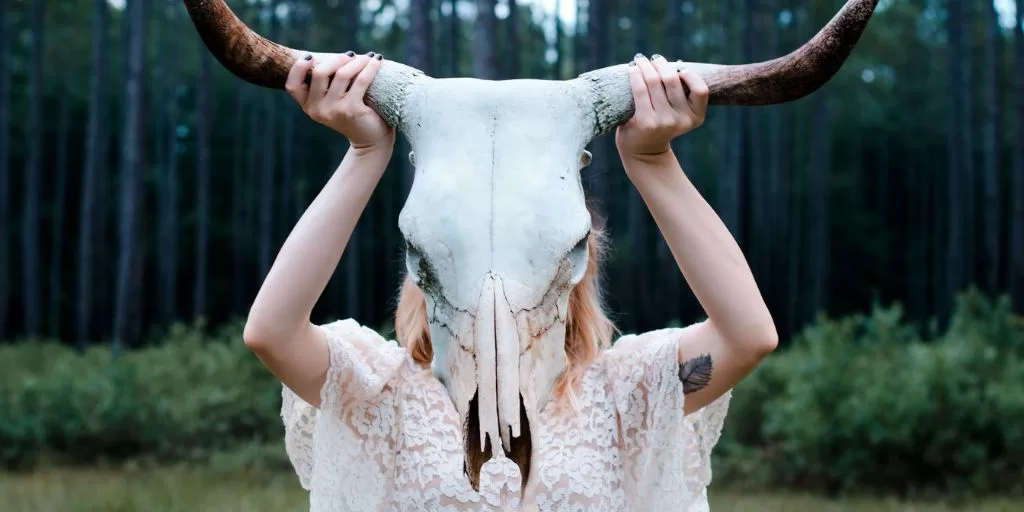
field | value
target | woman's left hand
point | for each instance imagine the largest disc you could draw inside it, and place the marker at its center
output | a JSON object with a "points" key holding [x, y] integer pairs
{"points": [[664, 110]]}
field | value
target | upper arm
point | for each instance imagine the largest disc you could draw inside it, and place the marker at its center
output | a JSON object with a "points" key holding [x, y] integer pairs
{"points": [[327, 365], [708, 366], [300, 363]]}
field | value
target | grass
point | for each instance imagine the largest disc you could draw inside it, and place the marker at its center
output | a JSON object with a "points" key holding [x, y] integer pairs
{"points": [[191, 490]]}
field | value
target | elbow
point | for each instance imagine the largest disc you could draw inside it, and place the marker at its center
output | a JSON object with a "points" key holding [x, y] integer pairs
{"points": [[256, 336], [263, 334], [766, 341]]}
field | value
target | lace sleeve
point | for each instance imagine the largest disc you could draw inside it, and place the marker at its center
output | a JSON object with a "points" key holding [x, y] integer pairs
{"points": [[662, 447], [361, 363], [706, 426]]}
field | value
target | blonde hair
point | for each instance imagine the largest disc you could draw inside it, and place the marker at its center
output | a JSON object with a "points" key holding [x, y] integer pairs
{"points": [[588, 329]]}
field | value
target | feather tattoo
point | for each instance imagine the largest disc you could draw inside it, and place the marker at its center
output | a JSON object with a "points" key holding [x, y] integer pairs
{"points": [[695, 373]]}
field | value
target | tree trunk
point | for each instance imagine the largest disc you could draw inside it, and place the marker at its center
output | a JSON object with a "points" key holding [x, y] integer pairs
{"points": [[965, 130], [6, 217], [990, 142], [559, 67], [168, 192], [730, 140], [203, 115], [512, 25], [485, 41], [454, 40], [59, 212], [819, 233], [1017, 214], [956, 209], [94, 150], [31, 225], [132, 166], [775, 234], [238, 186]]}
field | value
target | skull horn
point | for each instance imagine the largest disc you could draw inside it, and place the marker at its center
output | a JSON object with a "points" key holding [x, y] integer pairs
{"points": [[780, 80], [263, 62]]}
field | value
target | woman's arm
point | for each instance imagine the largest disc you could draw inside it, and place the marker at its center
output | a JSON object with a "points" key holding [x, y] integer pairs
{"points": [[716, 354], [278, 329]]}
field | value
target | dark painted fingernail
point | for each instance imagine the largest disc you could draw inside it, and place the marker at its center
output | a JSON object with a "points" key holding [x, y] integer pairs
{"points": [[309, 56], [371, 54], [378, 57], [350, 53], [632, 63], [638, 56], [657, 56]]}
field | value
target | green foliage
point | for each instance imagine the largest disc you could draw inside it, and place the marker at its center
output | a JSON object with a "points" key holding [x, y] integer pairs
{"points": [[864, 403], [861, 403], [189, 398]]}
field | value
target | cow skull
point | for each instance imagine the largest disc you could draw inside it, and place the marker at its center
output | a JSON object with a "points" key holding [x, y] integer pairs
{"points": [[496, 223]]}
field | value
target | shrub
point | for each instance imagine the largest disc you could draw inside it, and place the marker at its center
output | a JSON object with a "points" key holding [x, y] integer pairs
{"points": [[864, 403], [191, 396]]}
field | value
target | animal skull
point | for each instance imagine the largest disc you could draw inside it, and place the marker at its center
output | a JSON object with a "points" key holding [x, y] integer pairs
{"points": [[496, 223]]}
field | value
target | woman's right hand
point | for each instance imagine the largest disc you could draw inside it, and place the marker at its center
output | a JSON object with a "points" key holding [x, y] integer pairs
{"points": [[335, 95]]}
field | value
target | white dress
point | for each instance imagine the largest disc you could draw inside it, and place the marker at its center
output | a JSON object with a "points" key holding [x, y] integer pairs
{"points": [[388, 438]]}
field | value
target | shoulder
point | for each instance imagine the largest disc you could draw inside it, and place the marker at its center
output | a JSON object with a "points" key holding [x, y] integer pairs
{"points": [[349, 334], [363, 361], [647, 345]]}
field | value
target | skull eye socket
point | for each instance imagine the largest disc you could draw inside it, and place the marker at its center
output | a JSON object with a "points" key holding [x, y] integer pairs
{"points": [[578, 258]]}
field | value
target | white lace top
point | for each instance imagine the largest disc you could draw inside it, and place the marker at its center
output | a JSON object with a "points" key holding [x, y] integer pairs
{"points": [[387, 436]]}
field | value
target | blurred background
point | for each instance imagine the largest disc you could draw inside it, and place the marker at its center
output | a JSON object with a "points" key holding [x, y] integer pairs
{"points": [[144, 192]]}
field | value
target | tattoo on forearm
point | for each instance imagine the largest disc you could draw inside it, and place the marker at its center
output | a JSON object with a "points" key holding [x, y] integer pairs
{"points": [[695, 373]]}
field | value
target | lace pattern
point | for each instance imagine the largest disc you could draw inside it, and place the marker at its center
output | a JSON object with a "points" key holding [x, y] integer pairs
{"points": [[387, 437]]}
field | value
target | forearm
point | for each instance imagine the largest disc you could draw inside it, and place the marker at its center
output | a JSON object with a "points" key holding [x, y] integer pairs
{"points": [[707, 254], [311, 253]]}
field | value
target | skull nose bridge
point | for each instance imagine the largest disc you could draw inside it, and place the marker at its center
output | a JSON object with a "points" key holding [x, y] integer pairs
{"points": [[497, 347]]}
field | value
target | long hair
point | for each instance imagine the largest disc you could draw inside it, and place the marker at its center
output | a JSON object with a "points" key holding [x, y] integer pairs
{"points": [[588, 329]]}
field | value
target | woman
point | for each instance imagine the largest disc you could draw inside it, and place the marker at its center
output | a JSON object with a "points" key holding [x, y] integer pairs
{"points": [[368, 428]]}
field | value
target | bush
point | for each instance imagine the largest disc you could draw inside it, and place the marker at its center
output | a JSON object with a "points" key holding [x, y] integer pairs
{"points": [[865, 404], [188, 398], [862, 403]]}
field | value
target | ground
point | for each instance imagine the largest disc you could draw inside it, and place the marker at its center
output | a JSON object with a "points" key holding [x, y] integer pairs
{"points": [[191, 490]]}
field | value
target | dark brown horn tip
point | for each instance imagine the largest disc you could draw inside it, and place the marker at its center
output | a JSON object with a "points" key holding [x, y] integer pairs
{"points": [[781, 80], [245, 53]]}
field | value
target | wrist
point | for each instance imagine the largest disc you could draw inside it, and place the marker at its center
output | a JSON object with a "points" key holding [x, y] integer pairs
{"points": [[641, 168], [372, 152]]}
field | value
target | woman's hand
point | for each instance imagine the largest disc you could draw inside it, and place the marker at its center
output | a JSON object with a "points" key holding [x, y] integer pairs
{"points": [[664, 110], [335, 94]]}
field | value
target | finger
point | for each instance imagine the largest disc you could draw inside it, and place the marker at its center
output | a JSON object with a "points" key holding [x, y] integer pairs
{"points": [[641, 97], [365, 77], [654, 86], [323, 73], [699, 91], [296, 82], [343, 78], [673, 84]]}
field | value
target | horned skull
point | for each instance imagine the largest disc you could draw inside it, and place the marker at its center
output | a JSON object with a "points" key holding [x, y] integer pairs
{"points": [[495, 222]]}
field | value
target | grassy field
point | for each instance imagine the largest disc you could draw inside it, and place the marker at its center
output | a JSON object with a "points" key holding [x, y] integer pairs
{"points": [[174, 490]]}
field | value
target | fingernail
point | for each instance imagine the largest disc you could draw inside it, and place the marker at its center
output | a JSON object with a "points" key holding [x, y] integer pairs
{"points": [[657, 57], [309, 56], [378, 57], [371, 54], [638, 56], [350, 53]]}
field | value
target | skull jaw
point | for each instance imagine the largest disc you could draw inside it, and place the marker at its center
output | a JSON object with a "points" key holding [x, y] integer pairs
{"points": [[516, 373]]}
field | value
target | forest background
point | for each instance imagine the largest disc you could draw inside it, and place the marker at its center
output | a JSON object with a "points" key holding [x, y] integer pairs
{"points": [[144, 192]]}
